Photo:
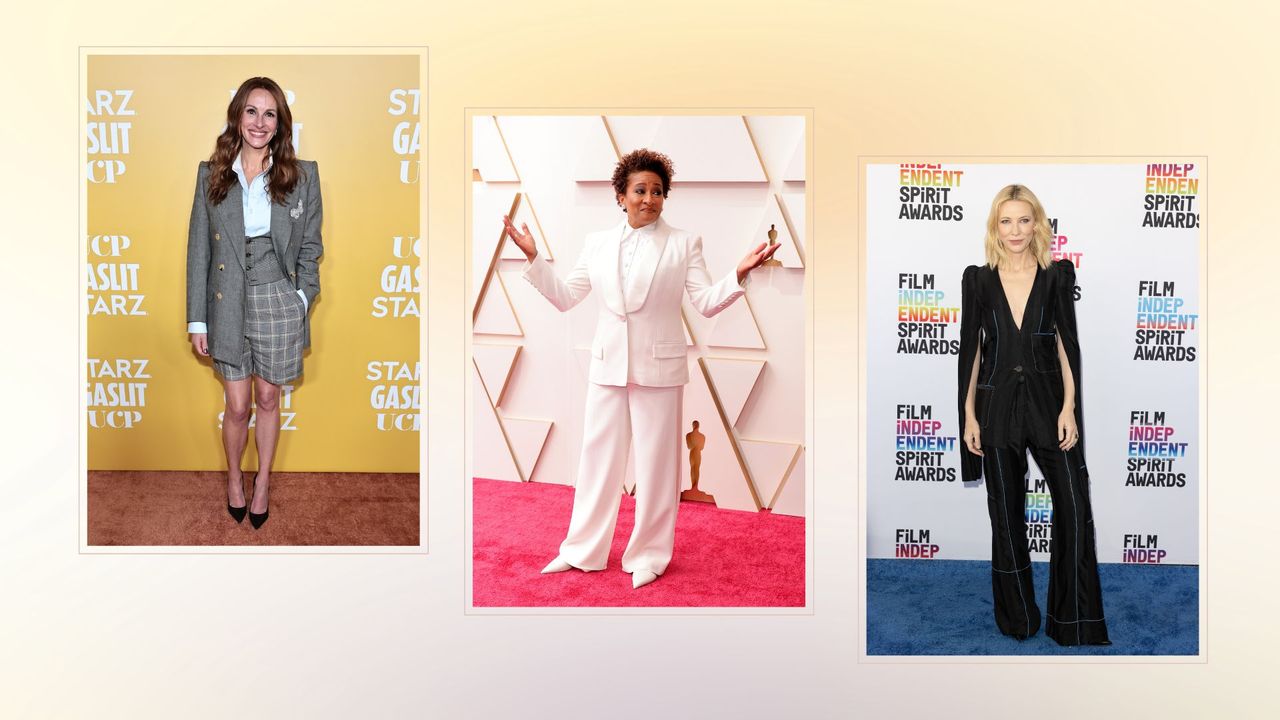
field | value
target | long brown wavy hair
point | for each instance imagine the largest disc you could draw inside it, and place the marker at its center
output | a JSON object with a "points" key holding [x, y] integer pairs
{"points": [[283, 173]]}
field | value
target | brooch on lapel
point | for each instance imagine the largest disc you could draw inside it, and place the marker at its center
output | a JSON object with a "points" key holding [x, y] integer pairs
{"points": [[296, 212]]}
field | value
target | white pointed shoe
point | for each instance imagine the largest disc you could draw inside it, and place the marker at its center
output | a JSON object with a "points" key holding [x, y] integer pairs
{"points": [[640, 578], [556, 566]]}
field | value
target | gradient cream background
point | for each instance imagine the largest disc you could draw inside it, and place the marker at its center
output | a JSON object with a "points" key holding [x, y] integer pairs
{"points": [[136, 636]]}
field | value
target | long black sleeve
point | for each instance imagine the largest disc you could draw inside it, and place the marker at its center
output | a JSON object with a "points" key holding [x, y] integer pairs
{"points": [[970, 327], [1069, 334]]}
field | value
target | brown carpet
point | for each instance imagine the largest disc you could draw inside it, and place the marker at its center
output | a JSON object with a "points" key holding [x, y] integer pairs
{"points": [[190, 508]]}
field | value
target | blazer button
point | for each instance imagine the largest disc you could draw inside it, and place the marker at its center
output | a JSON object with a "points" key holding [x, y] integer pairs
{"points": [[217, 236], [218, 295], [221, 266], [1018, 369], [293, 275]]}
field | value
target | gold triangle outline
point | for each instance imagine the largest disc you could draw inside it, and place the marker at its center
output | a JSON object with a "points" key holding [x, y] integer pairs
{"points": [[476, 175], [755, 146], [493, 264], [551, 256], [786, 478], [754, 321], [525, 476], [506, 380], [791, 230], [728, 431], [497, 416], [612, 140], [762, 361], [791, 466], [507, 299], [503, 138]]}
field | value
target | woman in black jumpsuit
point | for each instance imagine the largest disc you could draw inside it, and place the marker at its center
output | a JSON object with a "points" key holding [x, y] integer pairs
{"points": [[1019, 388]]}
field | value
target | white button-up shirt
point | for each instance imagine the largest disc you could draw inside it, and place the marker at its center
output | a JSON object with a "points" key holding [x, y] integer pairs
{"points": [[254, 200], [255, 203], [632, 239]]}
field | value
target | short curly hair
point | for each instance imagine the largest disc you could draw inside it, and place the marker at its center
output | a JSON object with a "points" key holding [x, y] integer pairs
{"points": [[643, 160]]}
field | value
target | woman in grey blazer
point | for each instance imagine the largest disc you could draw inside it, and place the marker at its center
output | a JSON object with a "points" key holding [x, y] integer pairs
{"points": [[253, 251]]}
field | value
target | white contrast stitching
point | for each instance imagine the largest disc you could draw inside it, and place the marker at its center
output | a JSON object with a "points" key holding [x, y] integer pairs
{"points": [[1009, 531]]}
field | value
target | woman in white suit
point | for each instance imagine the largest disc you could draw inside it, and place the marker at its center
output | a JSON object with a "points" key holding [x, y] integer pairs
{"points": [[642, 269]]}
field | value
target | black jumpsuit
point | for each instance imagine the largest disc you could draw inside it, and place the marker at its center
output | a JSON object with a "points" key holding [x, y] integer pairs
{"points": [[1017, 402]]}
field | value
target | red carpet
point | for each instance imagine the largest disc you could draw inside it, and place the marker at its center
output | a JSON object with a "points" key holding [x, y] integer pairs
{"points": [[190, 508], [723, 558]]}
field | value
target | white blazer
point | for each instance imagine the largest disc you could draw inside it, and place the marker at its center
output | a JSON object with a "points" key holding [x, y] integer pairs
{"points": [[639, 337]]}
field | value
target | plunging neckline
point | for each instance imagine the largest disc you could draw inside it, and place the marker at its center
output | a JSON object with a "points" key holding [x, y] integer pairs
{"points": [[1008, 308]]}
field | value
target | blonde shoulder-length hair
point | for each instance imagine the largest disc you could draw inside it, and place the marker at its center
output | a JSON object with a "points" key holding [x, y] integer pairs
{"points": [[1040, 236]]}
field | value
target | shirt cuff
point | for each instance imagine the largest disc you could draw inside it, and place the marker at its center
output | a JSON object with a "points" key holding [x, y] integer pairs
{"points": [[197, 328], [305, 304]]}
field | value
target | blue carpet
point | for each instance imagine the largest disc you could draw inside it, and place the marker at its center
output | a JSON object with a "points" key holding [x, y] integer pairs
{"points": [[943, 607]]}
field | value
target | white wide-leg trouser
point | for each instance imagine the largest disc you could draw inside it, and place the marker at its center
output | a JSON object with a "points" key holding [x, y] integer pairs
{"points": [[615, 419]]}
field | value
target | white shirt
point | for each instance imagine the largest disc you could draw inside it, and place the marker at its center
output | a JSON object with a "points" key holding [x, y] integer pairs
{"points": [[255, 204], [254, 200], [632, 238]]}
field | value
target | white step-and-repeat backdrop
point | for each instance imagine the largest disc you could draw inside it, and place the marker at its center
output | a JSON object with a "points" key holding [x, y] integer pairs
{"points": [[1133, 232]]}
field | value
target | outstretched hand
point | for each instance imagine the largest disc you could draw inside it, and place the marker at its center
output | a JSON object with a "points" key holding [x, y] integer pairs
{"points": [[755, 259], [523, 240]]}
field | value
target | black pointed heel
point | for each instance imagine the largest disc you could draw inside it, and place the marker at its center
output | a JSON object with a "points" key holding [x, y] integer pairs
{"points": [[256, 520], [237, 513]]}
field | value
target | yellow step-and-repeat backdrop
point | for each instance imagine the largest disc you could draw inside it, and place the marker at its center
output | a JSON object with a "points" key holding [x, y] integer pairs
{"points": [[153, 404]]}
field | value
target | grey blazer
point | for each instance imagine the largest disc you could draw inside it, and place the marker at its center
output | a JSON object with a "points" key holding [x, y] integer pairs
{"points": [[215, 257]]}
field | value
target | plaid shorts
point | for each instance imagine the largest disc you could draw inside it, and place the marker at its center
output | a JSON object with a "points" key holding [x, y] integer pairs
{"points": [[273, 317]]}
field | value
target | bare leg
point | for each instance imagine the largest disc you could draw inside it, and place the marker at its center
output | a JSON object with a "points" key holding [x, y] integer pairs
{"points": [[235, 435], [266, 431]]}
